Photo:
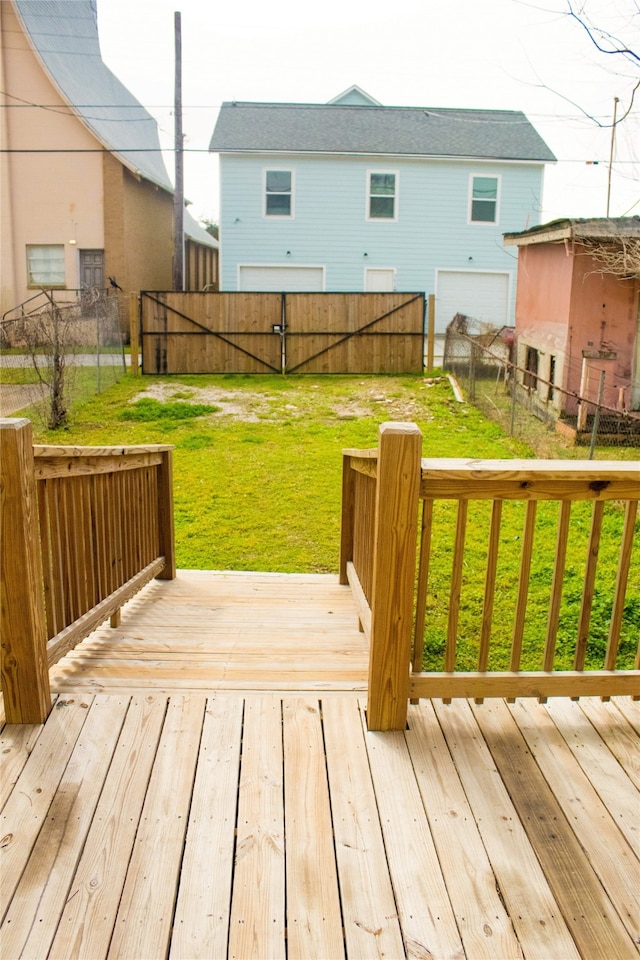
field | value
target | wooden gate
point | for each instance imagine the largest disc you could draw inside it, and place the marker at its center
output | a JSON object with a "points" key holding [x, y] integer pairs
{"points": [[354, 332], [282, 332]]}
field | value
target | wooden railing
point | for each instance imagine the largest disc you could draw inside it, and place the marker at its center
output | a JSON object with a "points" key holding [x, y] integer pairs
{"points": [[83, 530], [388, 558]]}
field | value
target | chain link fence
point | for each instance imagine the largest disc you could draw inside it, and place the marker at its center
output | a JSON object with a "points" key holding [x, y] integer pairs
{"points": [[57, 349], [483, 360]]}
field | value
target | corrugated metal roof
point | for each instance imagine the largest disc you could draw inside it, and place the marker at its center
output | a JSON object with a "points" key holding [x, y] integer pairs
{"points": [[195, 231], [64, 35], [592, 228], [370, 130]]}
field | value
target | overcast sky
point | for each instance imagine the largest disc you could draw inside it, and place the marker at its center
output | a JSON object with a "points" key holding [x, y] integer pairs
{"points": [[494, 54]]}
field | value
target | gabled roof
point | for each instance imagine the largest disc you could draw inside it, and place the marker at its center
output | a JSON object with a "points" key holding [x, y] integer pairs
{"points": [[375, 130], [356, 95], [595, 228], [64, 36], [195, 231]]}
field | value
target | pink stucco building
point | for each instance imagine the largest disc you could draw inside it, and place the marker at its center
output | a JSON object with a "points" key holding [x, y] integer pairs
{"points": [[577, 315]]}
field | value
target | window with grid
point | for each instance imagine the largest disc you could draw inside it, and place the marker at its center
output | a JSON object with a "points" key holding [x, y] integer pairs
{"points": [[278, 194], [45, 265], [484, 200], [382, 196]]}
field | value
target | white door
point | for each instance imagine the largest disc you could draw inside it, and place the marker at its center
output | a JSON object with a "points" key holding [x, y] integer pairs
{"points": [[379, 279], [277, 279], [484, 296]]}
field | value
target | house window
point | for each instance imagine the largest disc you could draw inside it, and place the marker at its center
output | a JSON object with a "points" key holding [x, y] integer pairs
{"points": [[531, 367], [278, 193], [45, 265], [382, 196], [484, 200]]}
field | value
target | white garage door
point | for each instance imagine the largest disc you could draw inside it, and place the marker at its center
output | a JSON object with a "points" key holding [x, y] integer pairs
{"points": [[305, 279], [484, 296]]}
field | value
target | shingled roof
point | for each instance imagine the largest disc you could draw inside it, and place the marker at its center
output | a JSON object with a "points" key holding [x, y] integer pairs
{"points": [[64, 36], [593, 228], [369, 130]]}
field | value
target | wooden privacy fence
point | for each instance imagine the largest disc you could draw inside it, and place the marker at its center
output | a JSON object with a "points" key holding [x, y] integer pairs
{"points": [[388, 557], [83, 529], [279, 332]]}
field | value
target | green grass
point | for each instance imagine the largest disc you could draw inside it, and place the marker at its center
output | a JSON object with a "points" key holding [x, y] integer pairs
{"points": [[148, 410], [258, 468], [257, 486], [18, 375]]}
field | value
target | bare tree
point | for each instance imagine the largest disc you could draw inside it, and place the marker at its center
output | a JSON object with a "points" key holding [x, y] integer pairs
{"points": [[620, 257], [46, 336], [609, 45]]}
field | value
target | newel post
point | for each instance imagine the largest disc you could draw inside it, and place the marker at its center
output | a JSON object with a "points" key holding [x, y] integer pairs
{"points": [[24, 668], [165, 517], [396, 526], [347, 520]]}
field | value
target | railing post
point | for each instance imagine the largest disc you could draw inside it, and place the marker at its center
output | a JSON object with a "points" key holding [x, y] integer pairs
{"points": [[396, 524], [165, 517], [347, 517], [25, 671]]}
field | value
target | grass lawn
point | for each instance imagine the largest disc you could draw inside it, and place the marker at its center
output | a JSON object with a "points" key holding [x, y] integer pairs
{"points": [[257, 484]]}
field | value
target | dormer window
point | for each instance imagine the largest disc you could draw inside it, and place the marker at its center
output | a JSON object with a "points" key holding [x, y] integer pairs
{"points": [[382, 195], [278, 193]]}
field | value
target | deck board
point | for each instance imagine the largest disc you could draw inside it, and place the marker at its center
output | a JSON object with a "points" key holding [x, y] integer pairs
{"points": [[166, 816], [201, 922], [257, 927], [534, 912], [592, 919], [42, 892], [610, 854], [88, 919], [314, 921], [485, 926], [207, 631]]}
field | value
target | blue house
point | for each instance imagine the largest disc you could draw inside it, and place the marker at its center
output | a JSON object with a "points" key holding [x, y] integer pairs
{"points": [[353, 195]]}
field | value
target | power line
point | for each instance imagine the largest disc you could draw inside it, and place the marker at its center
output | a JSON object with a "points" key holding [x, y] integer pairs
{"points": [[560, 118]]}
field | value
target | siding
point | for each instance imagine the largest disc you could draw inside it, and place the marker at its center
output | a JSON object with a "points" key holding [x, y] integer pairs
{"points": [[329, 226]]}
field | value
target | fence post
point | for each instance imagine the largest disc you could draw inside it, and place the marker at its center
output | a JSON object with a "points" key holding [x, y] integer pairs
{"points": [[431, 330], [396, 523], [165, 517], [347, 517], [134, 333], [25, 670], [596, 416]]}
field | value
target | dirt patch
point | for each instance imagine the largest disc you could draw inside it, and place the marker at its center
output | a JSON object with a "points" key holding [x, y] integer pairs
{"points": [[252, 406]]}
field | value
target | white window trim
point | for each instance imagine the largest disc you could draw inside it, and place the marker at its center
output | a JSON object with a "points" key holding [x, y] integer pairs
{"points": [[286, 265], [484, 223], [35, 284], [278, 216], [393, 270], [367, 199]]}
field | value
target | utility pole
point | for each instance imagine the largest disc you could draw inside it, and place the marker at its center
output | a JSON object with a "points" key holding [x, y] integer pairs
{"points": [[178, 195], [616, 101]]}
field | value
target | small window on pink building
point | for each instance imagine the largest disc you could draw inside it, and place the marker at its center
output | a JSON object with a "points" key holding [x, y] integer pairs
{"points": [[531, 367]]}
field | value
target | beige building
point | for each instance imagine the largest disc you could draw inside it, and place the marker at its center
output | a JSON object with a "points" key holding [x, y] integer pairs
{"points": [[84, 193]]}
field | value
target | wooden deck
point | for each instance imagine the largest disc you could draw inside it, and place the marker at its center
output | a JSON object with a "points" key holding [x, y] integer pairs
{"points": [[187, 799], [209, 631]]}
